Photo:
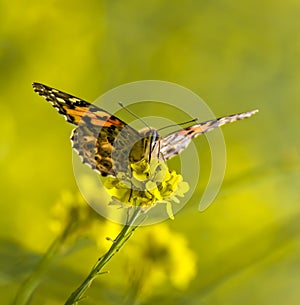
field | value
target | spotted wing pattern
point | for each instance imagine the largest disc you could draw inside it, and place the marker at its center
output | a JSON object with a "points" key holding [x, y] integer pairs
{"points": [[95, 136], [175, 142]]}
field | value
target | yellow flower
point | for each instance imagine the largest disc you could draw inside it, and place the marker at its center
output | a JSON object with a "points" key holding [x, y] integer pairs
{"points": [[140, 170], [157, 256], [149, 183]]}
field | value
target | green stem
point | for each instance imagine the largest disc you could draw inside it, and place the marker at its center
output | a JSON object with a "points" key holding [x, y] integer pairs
{"points": [[30, 284], [121, 239]]}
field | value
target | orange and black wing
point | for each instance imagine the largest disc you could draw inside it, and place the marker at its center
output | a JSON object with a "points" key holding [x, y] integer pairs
{"points": [[175, 142], [96, 132]]}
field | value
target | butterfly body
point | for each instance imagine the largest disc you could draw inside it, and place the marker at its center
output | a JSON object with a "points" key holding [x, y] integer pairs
{"points": [[108, 145]]}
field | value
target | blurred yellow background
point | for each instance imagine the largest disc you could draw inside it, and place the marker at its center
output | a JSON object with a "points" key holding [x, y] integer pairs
{"points": [[236, 55]]}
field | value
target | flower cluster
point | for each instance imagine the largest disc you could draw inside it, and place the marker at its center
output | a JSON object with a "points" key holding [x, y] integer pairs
{"points": [[147, 183]]}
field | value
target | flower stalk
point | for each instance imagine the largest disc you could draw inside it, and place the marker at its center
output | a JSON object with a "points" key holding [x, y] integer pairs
{"points": [[117, 244], [29, 286]]}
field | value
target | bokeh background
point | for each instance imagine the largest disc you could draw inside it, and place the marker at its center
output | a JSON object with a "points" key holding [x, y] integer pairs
{"points": [[236, 55]]}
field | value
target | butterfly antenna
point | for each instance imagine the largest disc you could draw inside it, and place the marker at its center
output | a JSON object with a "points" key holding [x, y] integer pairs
{"points": [[174, 125], [133, 114]]}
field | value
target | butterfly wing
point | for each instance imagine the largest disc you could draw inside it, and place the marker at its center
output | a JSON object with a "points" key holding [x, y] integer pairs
{"points": [[96, 135], [175, 142]]}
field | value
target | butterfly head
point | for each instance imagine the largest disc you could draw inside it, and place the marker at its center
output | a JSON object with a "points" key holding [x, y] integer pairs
{"points": [[150, 138]]}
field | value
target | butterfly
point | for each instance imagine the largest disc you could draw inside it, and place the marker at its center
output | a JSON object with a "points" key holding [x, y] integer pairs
{"points": [[108, 145]]}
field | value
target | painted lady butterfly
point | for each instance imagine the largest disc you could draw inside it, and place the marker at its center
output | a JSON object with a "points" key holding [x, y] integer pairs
{"points": [[108, 145]]}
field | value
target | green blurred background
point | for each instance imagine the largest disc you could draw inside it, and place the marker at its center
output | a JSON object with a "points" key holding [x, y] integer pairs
{"points": [[236, 55]]}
